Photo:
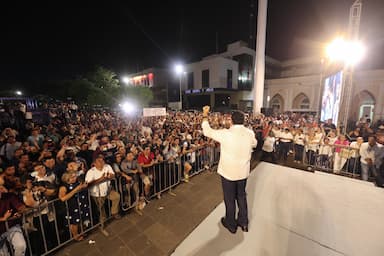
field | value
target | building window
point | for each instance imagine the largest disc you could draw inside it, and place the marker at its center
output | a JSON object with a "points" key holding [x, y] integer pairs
{"points": [[245, 71], [304, 104], [229, 78], [190, 80], [277, 103], [205, 78], [301, 101]]}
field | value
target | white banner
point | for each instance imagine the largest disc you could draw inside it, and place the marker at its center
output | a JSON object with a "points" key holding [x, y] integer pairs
{"points": [[154, 112]]}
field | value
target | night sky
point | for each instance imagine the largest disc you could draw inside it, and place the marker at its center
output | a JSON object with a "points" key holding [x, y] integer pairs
{"points": [[58, 41]]}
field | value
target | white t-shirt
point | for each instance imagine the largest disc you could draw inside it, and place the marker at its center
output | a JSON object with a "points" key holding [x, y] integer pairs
{"points": [[276, 132], [325, 150], [286, 137], [356, 146], [299, 139], [101, 189], [269, 143]]}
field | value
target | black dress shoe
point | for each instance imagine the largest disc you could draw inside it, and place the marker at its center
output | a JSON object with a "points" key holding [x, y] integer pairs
{"points": [[233, 231], [244, 228]]}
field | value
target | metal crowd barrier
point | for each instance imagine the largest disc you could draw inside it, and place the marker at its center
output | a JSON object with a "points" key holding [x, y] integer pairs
{"points": [[336, 159], [46, 228]]}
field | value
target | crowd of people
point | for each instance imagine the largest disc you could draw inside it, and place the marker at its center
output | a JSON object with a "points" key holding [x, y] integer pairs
{"points": [[74, 156], [324, 146]]}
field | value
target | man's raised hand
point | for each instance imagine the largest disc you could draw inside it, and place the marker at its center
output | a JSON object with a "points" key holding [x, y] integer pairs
{"points": [[206, 110]]}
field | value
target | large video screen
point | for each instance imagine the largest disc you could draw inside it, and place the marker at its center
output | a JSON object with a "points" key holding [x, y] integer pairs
{"points": [[330, 103]]}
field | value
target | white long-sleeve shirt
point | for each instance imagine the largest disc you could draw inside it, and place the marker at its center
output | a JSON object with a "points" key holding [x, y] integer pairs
{"points": [[236, 145], [101, 189], [366, 151]]}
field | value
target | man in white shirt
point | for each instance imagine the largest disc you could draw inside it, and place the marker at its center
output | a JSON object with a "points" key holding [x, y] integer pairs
{"points": [[354, 162], [98, 179], [368, 150], [285, 139], [236, 145]]}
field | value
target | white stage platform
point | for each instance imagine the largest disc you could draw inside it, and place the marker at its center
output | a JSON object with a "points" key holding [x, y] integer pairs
{"points": [[297, 213]]}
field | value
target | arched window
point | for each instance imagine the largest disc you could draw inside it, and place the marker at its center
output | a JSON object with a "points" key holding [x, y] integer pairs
{"points": [[363, 105], [301, 101], [277, 103], [304, 104]]}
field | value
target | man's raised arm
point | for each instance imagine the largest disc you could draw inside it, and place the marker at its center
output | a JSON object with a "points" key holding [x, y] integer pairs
{"points": [[207, 130]]}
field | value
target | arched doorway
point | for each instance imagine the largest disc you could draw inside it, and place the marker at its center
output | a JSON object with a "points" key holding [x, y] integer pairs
{"points": [[364, 103], [277, 103], [301, 101]]}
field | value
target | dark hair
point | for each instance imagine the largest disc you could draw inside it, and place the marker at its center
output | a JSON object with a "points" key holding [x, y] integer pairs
{"points": [[237, 117]]}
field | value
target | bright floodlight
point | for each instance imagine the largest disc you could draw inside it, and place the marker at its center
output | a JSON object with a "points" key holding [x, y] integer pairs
{"points": [[349, 52], [125, 80], [128, 107], [19, 93], [179, 69]]}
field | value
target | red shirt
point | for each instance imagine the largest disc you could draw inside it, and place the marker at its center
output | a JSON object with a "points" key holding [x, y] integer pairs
{"points": [[266, 131], [142, 159], [9, 201]]}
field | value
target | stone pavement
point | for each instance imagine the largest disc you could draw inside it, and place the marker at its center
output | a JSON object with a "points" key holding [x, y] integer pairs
{"points": [[159, 230]]}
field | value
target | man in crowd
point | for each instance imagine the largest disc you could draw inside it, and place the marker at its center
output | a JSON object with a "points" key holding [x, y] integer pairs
{"points": [[99, 183], [132, 171], [368, 150], [7, 151]]}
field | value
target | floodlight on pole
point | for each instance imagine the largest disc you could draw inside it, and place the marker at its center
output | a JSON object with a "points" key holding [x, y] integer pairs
{"points": [[19, 93], [125, 80], [179, 70], [128, 107], [348, 52]]}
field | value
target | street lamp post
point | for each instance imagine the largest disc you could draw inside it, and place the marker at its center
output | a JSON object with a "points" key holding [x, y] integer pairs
{"points": [[179, 69], [180, 96]]}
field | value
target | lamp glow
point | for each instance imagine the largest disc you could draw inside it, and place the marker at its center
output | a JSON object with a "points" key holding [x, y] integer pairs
{"points": [[19, 93], [179, 69], [125, 80], [128, 107], [349, 52]]}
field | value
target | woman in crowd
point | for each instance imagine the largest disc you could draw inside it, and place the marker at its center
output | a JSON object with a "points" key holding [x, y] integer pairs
{"points": [[75, 195], [311, 147], [354, 160], [268, 149], [341, 153]]}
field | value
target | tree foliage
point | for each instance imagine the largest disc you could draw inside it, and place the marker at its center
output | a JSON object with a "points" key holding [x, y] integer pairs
{"points": [[103, 78], [100, 87], [140, 94]]}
